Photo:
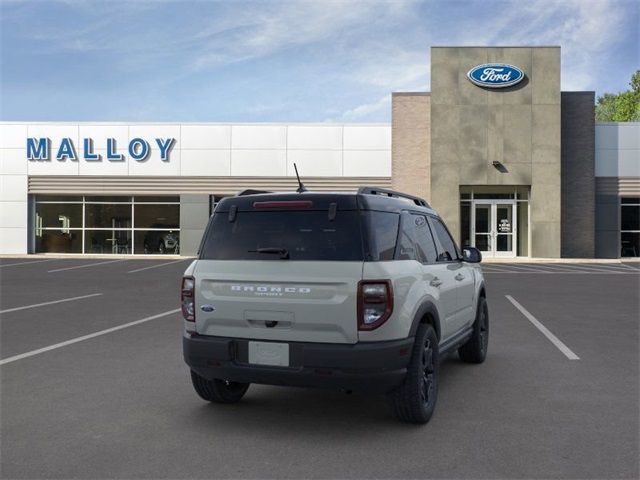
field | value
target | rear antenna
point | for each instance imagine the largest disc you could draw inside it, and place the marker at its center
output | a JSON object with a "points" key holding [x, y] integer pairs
{"points": [[301, 187]]}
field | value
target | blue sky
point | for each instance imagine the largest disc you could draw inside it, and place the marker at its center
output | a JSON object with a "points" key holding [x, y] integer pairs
{"points": [[277, 61]]}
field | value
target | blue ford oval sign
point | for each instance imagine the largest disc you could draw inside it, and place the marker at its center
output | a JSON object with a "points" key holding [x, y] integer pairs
{"points": [[495, 75]]}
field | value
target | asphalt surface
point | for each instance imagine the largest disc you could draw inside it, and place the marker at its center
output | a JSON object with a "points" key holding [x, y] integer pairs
{"points": [[121, 405]]}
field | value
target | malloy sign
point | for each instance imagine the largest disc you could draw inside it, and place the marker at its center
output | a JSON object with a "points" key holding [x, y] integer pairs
{"points": [[495, 75], [40, 149]]}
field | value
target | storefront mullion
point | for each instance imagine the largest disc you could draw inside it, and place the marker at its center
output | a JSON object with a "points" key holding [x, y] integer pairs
{"points": [[133, 223], [83, 223]]}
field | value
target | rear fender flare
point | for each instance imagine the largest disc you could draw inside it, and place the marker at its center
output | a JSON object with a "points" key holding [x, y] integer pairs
{"points": [[427, 308]]}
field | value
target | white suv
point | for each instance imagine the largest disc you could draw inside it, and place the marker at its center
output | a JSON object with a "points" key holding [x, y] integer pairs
{"points": [[359, 292]]}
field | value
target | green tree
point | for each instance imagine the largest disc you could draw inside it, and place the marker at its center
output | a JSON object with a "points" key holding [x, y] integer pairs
{"points": [[621, 107], [606, 107]]}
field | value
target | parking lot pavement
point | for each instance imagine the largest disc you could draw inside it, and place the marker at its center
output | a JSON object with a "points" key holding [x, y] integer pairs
{"points": [[120, 404]]}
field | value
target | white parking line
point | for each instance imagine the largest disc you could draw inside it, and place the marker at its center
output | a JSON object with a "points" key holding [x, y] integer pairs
{"points": [[589, 268], [525, 268], [84, 266], [15, 358], [35, 305], [155, 266], [28, 263], [552, 338]]}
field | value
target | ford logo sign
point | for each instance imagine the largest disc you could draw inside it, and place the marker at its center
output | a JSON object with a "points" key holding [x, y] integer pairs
{"points": [[207, 308], [495, 75]]}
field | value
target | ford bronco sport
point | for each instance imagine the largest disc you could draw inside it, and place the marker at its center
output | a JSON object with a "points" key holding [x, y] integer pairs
{"points": [[357, 291]]}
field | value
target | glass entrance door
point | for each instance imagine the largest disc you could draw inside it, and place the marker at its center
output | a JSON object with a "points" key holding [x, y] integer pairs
{"points": [[504, 229], [482, 222], [494, 227]]}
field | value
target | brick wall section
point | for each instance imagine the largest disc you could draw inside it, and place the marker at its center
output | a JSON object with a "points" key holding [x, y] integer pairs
{"points": [[411, 143], [578, 175]]}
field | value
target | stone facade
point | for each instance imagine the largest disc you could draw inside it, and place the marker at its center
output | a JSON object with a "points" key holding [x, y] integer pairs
{"points": [[518, 126]]}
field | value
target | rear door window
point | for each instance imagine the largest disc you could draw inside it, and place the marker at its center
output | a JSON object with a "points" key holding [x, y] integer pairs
{"points": [[447, 250], [304, 235], [382, 228], [416, 242]]}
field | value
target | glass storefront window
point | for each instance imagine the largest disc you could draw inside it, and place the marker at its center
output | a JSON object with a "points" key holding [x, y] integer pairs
{"points": [[465, 224], [157, 242], [60, 198], [630, 244], [107, 241], [59, 215], [59, 241], [630, 227], [108, 199], [157, 216], [155, 199], [495, 219], [493, 196], [523, 229], [630, 217], [110, 224], [105, 215]]}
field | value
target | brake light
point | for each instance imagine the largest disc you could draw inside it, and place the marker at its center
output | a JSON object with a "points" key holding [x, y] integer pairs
{"points": [[187, 298], [284, 204], [375, 303]]}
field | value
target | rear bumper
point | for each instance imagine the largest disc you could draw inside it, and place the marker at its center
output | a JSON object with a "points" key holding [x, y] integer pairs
{"points": [[362, 367]]}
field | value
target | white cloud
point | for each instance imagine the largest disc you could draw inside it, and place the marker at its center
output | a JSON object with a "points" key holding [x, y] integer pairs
{"points": [[342, 58], [585, 30], [366, 110], [248, 34]]}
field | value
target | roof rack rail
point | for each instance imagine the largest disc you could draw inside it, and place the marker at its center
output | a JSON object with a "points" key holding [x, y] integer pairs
{"points": [[392, 193], [250, 191]]}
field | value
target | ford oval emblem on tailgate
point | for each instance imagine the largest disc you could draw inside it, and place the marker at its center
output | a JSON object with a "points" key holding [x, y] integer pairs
{"points": [[207, 308]]}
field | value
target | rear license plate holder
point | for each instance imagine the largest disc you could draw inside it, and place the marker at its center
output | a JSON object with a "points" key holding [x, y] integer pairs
{"points": [[269, 353]]}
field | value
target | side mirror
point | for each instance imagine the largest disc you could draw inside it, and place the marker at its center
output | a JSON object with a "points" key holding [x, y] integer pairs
{"points": [[471, 255]]}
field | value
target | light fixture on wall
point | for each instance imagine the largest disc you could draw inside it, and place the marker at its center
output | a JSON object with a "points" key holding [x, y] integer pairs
{"points": [[499, 166]]}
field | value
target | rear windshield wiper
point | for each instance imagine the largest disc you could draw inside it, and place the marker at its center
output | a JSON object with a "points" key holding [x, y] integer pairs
{"points": [[283, 252]]}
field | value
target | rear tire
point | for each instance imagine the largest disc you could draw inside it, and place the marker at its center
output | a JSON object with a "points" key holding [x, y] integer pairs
{"points": [[415, 400], [475, 350], [218, 391]]}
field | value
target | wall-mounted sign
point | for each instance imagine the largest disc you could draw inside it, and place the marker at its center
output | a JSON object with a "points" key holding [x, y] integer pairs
{"points": [[39, 149], [495, 75]]}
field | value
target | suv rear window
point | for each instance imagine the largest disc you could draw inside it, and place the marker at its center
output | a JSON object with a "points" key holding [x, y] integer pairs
{"points": [[305, 235]]}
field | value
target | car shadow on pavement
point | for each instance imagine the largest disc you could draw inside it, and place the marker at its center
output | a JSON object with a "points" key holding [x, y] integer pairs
{"points": [[313, 411]]}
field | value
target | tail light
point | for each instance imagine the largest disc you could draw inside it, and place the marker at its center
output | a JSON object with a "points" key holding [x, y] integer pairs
{"points": [[187, 298], [375, 303]]}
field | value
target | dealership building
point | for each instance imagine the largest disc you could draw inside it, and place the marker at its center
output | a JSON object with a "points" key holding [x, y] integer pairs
{"points": [[517, 167]]}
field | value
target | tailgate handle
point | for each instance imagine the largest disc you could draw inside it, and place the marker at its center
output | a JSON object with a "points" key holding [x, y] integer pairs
{"points": [[269, 323]]}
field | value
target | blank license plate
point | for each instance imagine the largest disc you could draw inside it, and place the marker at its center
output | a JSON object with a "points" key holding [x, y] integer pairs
{"points": [[269, 353]]}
